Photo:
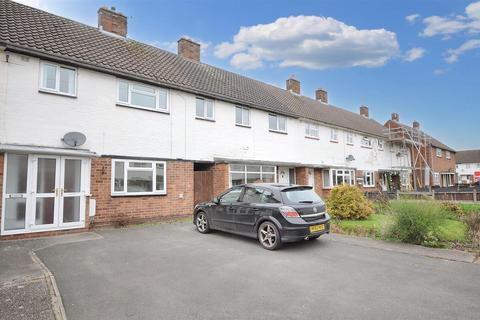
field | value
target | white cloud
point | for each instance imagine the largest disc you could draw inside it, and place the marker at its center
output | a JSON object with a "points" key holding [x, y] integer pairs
{"points": [[454, 54], [412, 18], [310, 42], [414, 54], [447, 26]]}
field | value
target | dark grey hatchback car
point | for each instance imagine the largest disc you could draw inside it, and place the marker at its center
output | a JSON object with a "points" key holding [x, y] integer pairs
{"points": [[272, 213]]}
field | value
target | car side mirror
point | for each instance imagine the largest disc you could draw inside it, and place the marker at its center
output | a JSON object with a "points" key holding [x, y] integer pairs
{"points": [[215, 200]]}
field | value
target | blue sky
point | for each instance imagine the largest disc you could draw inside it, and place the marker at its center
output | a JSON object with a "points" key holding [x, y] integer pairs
{"points": [[424, 67]]}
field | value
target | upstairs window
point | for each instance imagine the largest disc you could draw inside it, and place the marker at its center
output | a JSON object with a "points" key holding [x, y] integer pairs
{"points": [[58, 79], [380, 144], [438, 152], [204, 109], [142, 96], [350, 138], [242, 116], [366, 142], [334, 135], [447, 155], [311, 130], [277, 123]]}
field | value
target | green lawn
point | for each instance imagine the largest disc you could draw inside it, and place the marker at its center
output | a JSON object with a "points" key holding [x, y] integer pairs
{"points": [[376, 224], [470, 207]]}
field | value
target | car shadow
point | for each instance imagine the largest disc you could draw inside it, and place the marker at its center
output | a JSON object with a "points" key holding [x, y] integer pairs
{"points": [[303, 245]]}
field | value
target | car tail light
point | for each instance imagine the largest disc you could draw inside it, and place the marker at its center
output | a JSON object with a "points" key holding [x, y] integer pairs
{"points": [[289, 212]]}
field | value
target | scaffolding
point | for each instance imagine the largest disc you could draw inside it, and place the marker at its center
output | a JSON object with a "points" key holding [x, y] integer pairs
{"points": [[420, 144]]}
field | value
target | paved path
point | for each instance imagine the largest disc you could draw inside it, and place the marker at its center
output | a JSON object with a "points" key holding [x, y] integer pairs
{"points": [[172, 272]]}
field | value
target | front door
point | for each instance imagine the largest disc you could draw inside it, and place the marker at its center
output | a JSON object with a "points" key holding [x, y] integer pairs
{"points": [[44, 192], [286, 175]]}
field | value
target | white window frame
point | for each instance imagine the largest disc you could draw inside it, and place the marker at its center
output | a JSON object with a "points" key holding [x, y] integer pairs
{"points": [[333, 135], [438, 152], [366, 142], [205, 116], [125, 177], [436, 179], [344, 173], [447, 155], [381, 144], [369, 174], [57, 79], [243, 124], [310, 129], [349, 138], [245, 171], [277, 117], [130, 89]]}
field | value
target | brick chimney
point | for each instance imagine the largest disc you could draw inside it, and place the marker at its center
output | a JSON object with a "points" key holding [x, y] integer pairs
{"points": [[395, 117], [188, 49], [321, 95], [112, 21], [293, 84], [364, 111], [416, 125]]}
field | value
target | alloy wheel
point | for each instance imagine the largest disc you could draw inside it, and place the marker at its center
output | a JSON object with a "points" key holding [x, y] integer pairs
{"points": [[202, 223], [268, 236]]}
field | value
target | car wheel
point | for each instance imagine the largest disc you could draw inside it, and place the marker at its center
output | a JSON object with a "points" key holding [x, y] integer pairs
{"points": [[269, 236], [201, 222], [313, 237]]}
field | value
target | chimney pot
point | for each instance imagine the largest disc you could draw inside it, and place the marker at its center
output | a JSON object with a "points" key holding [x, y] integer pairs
{"points": [[112, 21], [395, 117], [293, 84], [188, 49], [321, 95], [416, 125], [364, 111]]}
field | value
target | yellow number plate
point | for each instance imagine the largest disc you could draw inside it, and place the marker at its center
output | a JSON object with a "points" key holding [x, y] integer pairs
{"points": [[317, 228]]}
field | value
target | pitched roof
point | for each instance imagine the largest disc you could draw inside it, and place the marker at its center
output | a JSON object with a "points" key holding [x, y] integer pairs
{"points": [[29, 30], [435, 142], [468, 156]]}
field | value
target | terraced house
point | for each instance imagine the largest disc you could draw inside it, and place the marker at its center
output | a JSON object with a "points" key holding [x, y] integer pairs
{"points": [[98, 128]]}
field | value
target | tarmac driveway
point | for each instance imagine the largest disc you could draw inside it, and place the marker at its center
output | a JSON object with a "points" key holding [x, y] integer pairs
{"points": [[170, 271]]}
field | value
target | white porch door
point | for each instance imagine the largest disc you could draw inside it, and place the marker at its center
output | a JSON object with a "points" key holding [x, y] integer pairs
{"points": [[49, 193], [311, 177], [286, 175]]}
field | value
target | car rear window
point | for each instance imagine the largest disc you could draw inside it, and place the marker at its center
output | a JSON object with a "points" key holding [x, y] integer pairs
{"points": [[300, 195]]}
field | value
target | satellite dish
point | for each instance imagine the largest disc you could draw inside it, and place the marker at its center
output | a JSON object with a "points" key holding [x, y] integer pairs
{"points": [[350, 158], [74, 139]]}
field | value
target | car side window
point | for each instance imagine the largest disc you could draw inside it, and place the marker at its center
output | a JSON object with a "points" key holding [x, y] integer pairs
{"points": [[231, 196], [258, 195], [253, 195]]}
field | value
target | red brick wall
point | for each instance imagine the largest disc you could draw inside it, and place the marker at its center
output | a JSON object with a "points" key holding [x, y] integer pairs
{"points": [[132, 209], [221, 178], [301, 175], [318, 182]]}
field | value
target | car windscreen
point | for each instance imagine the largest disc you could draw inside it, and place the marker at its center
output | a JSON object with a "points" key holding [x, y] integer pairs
{"points": [[300, 195]]}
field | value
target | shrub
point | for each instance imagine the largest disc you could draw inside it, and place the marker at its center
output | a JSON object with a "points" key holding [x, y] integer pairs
{"points": [[454, 208], [416, 221], [348, 202]]}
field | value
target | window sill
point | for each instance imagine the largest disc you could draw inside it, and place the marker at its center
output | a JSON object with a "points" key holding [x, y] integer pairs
{"points": [[313, 138], [276, 131], [138, 194], [57, 93], [141, 108], [119, 104], [334, 141], [243, 125], [349, 144], [367, 147], [205, 119]]}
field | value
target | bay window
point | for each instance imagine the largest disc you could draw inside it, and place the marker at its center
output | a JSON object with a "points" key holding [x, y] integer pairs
{"points": [[241, 174], [134, 177], [142, 96], [57, 78], [335, 177]]}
